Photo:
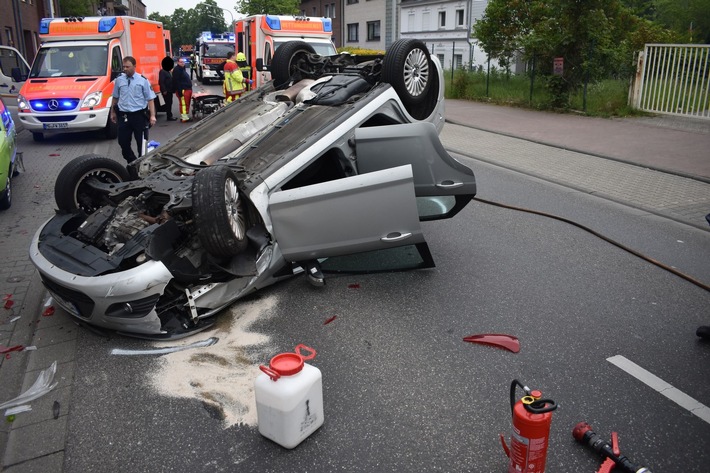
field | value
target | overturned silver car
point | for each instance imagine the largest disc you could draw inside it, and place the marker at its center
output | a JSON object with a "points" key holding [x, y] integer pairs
{"points": [[336, 156]]}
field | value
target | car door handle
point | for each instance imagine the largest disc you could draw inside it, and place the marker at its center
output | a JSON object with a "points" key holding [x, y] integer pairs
{"points": [[394, 237], [449, 184]]}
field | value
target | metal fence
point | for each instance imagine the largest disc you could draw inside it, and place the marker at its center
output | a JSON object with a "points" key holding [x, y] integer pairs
{"points": [[673, 79]]}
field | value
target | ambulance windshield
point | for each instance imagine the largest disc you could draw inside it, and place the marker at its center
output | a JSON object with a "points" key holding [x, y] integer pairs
{"points": [[322, 49], [218, 50], [70, 61]]}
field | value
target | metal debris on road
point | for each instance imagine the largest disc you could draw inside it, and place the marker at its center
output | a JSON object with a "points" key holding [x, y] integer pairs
{"points": [[41, 387], [162, 351]]}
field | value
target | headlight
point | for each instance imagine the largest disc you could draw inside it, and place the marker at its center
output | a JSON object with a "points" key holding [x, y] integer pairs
{"points": [[22, 103], [92, 100]]}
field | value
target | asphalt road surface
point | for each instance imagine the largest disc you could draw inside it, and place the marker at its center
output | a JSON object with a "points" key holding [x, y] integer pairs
{"points": [[402, 390]]}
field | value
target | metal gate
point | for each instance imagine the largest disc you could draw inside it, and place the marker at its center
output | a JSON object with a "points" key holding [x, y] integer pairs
{"points": [[673, 79]]}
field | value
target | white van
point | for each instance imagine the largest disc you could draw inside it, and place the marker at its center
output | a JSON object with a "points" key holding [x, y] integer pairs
{"points": [[13, 74]]}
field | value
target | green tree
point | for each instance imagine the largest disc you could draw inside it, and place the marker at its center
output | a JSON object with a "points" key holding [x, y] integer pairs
{"points": [[77, 8], [596, 38], [690, 19], [272, 7]]}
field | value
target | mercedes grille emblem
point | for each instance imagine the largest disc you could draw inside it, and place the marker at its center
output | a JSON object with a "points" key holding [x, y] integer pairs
{"points": [[53, 104]]}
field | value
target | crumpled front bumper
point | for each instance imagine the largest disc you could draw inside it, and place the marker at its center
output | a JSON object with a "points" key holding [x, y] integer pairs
{"points": [[123, 301]]}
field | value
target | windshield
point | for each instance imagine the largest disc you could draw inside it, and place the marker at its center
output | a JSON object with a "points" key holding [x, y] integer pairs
{"points": [[218, 50], [322, 49], [70, 61]]}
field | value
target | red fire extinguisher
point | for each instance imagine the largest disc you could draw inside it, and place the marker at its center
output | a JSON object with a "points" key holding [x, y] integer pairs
{"points": [[532, 417]]}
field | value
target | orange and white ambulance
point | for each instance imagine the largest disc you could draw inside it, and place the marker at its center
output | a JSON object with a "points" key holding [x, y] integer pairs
{"points": [[258, 36], [70, 84]]}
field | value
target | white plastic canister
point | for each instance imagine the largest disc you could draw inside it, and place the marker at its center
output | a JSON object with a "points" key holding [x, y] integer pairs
{"points": [[289, 398]]}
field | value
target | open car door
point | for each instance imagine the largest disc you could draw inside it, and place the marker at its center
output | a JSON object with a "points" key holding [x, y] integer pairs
{"points": [[443, 186], [357, 214]]}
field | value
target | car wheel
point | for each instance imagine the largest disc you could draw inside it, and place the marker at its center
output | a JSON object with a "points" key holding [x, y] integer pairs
{"points": [[286, 66], [6, 195], [408, 68], [71, 190], [37, 136], [111, 129], [219, 211]]}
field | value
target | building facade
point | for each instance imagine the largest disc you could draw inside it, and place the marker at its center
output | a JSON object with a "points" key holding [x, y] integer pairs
{"points": [[445, 26], [369, 24], [19, 23], [326, 9]]}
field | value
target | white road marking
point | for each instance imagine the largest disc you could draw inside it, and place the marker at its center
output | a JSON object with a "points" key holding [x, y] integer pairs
{"points": [[656, 383]]}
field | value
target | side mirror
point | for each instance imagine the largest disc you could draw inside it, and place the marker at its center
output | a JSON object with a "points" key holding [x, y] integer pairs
{"points": [[260, 65], [17, 75]]}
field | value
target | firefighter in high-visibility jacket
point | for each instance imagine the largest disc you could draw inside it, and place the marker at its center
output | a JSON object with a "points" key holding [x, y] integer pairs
{"points": [[234, 81], [245, 68]]}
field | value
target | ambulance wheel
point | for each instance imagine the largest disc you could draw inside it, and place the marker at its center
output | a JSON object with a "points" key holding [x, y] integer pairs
{"points": [[408, 68], [73, 190], [111, 129], [288, 65], [37, 136], [219, 211]]}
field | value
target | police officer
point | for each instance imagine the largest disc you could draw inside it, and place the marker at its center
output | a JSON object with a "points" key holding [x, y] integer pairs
{"points": [[132, 95]]}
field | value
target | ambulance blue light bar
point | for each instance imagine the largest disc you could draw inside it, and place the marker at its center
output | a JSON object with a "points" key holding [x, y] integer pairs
{"points": [[44, 25], [106, 24]]}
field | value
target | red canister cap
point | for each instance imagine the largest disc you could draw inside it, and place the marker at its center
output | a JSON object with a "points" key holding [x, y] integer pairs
{"points": [[287, 364]]}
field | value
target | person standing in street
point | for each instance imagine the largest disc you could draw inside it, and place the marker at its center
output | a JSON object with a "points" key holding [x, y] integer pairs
{"points": [[233, 79], [183, 89], [245, 68], [193, 65], [132, 97], [166, 85]]}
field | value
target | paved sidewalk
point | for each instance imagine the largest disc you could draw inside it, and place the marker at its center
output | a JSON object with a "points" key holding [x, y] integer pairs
{"points": [[618, 159], [623, 161]]}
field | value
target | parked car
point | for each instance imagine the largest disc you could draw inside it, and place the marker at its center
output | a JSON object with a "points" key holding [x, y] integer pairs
{"points": [[8, 156], [330, 166]]}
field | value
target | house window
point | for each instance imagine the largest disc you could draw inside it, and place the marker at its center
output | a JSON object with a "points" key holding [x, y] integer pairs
{"points": [[352, 32], [373, 30], [303, 12], [425, 21], [459, 17], [332, 10], [458, 61], [8, 35], [315, 11], [440, 57], [442, 19], [410, 22], [327, 11], [350, 2]]}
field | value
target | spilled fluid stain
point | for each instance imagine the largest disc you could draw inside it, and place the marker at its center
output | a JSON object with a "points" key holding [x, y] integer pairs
{"points": [[220, 376]]}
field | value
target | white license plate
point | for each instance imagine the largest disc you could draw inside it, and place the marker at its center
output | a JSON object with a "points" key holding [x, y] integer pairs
{"points": [[50, 126], [66, 305]]}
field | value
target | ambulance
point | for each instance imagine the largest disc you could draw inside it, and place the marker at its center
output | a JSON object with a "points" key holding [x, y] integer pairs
{"points": [[211, 50], [70, 84], [258, 36]]}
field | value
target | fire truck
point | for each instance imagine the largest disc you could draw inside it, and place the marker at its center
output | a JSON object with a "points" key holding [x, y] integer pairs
{"points": [[258, 36], [211, 50]]}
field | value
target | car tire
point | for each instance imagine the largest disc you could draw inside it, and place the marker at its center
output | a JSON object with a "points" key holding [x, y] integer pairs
{"points": [[38, 137], [70, 191], [408, 68], [219, 211], [111, 129], [285, 61], [6, 195]]}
